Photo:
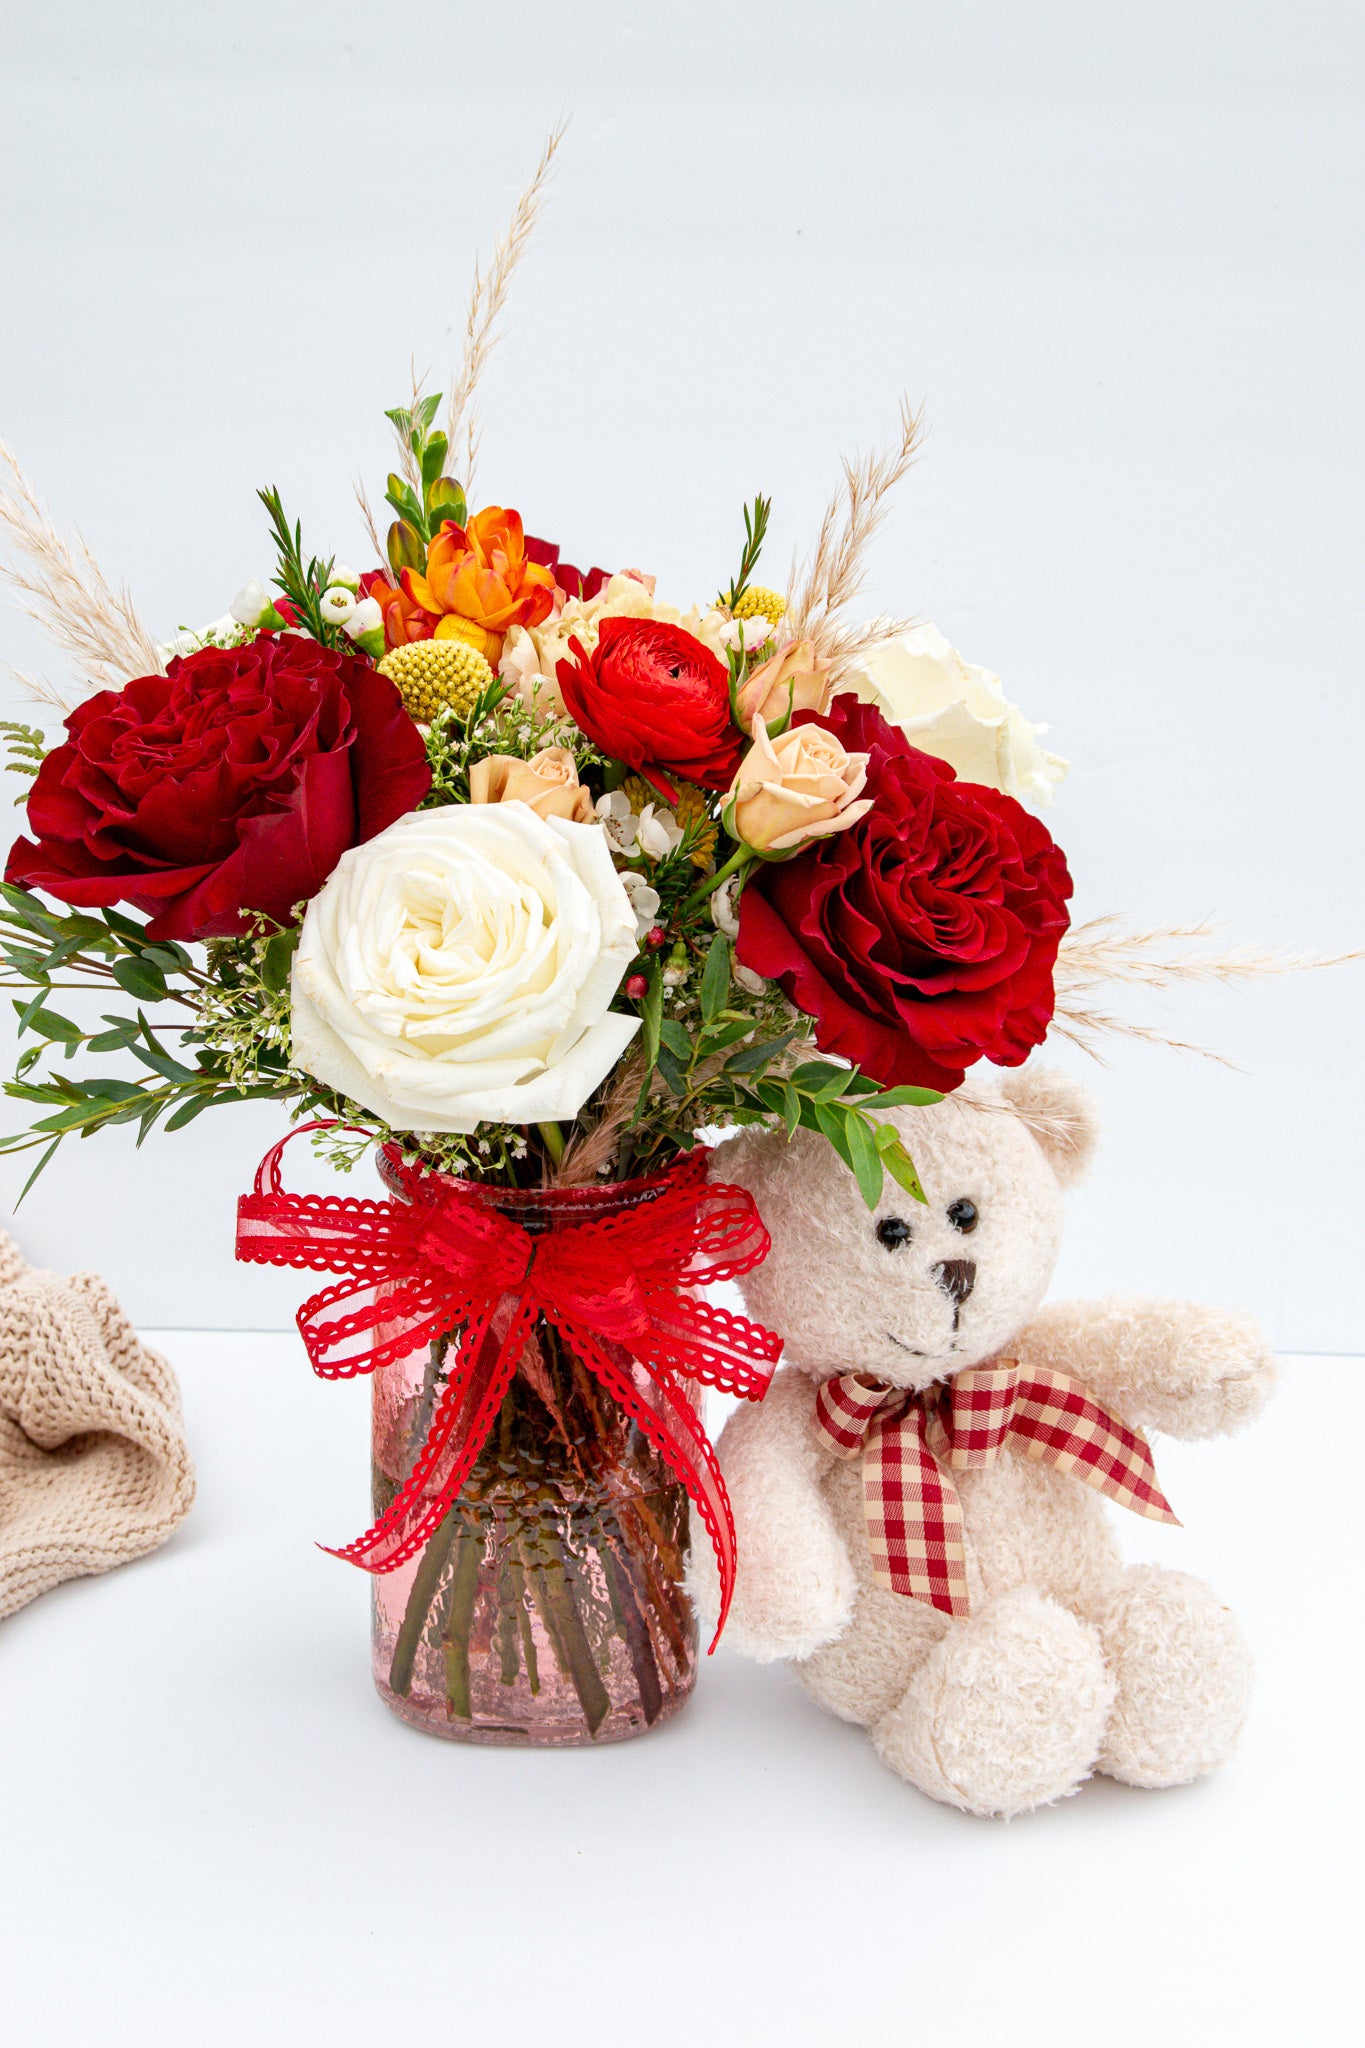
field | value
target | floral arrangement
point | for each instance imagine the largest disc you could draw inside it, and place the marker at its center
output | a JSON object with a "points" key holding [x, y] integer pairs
{"points": [[531, 870], [527, 876]]}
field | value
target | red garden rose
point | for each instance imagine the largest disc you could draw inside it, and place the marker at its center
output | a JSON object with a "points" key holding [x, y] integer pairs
{"points": [[234, 782], [654, 697], [923, 939]]}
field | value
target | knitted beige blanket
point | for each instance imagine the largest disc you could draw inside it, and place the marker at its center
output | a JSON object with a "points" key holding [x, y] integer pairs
{"points": [[94, 1469]]}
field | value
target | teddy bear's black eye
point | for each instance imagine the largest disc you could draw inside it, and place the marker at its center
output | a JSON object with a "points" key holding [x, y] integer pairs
{"points": [[962, 1215], [893, 1232]]}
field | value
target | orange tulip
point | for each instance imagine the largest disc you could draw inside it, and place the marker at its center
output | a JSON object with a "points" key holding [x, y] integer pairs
{"points": [[481, 573]]}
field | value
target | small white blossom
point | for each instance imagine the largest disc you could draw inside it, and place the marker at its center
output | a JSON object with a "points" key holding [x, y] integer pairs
{"points": [[723, 908], [644, 901], [251, 604], [337, 604], [620, 821], [346, 578], [747, 979], [658, 832], [746, 633], [364, 618]]}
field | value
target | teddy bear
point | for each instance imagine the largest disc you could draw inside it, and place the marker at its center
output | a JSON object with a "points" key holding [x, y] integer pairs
{"points": [[920, 1501]]}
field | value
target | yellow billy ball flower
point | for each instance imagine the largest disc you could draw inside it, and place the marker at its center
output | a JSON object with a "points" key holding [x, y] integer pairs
{"points": [[432, 675], [759, 603]]}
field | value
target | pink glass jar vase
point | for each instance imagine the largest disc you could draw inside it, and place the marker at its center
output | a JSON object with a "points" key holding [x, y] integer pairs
{"points": [[547, 1610]]}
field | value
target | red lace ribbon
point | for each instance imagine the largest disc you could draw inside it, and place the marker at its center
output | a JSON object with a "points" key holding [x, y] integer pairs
{"points": [[615, 1281]]}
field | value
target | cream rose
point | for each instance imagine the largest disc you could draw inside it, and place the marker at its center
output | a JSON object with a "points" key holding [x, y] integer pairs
{"points": [[458, 969], [957, 712], [794, 679], [548, 783], [790, 790]]}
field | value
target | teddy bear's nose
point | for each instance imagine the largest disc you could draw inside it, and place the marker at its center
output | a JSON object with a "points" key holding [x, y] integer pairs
{"points": [[957, 1278]]}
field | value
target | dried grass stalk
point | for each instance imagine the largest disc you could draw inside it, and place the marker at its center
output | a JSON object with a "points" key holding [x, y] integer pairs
{"points": [[362, 499], [584, 1158], [837, 568], [486, 303], [1104, 951], [58, 583]]}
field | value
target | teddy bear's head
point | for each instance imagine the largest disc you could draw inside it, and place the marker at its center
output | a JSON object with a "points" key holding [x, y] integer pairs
{"points": [[909, 1292]]}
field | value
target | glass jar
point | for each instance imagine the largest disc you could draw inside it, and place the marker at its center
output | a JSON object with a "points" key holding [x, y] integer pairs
{"points": [[547, 1609]]}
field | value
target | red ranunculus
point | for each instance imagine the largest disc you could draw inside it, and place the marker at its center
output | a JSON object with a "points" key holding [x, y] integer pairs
{"points": [[654, 697], [924, 938], [234, 782]]}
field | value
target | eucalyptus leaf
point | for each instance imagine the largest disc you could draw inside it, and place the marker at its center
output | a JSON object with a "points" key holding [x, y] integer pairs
{"points": [[867, 1160], [715, 980], [140, 978]]}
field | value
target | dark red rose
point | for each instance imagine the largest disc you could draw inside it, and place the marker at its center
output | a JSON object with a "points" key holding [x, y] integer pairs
{"points": [[922, 939], [652, 696], [573, 582], [234, 782]]}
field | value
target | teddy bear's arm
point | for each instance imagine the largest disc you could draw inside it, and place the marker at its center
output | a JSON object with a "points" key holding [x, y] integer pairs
{"points": [[795, 1583], [1174, 1366]]}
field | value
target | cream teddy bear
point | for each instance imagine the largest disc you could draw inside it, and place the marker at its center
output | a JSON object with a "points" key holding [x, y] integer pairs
{"points": [[920, 1500]]}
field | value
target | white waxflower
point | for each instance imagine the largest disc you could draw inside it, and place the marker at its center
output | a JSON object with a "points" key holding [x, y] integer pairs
{"points": [[364, 618], [723, 914], [620, 821], [746, 633], [346, 578], [251, 604], [459, 968], [644, 901], [947, 707], [337, 604], [657, 832]]}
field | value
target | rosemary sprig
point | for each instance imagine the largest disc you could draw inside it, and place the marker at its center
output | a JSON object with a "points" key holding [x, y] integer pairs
{"points": [[755, 532], [302, 584]]}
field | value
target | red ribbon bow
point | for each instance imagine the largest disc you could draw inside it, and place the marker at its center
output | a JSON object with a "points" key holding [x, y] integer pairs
{"points": [[615, 1281]]}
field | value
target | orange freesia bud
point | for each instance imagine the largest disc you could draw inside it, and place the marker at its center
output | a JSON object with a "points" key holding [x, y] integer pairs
{"points": [[794, 679], [481, 572]]}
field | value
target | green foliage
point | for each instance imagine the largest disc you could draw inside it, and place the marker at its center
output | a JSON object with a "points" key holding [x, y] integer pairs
{"points": [[756, 518], [49, 952], [303, 584], [25, 750], [421, 513]]}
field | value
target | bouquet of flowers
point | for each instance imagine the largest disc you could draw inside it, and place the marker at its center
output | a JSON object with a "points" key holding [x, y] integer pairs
{"points": [[526, 876]]}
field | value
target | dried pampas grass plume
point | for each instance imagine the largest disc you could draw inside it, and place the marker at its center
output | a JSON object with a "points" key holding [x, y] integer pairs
{"points": [[837, 568], [486, 304], [58, 583], [1104, 951]]}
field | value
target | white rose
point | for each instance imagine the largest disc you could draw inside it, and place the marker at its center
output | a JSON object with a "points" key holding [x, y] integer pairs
{"points": [[458, 968], [959, 713]]}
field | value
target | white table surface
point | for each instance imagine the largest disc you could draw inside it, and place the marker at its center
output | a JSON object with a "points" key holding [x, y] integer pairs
{"points": [[213, 1832]]}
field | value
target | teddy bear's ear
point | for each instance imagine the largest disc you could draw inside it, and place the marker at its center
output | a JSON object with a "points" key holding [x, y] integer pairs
{"points": [[1060, 1114]]}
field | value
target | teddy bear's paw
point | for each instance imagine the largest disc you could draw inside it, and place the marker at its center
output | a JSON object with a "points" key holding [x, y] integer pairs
{"points": [[1184, 1678], [1007, 1713], [787, 1604], [1221, 1373]]}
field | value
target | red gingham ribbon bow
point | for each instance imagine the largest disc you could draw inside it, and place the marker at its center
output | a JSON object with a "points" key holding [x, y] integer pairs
{"points": [[616, 1282], [911, 1442]]}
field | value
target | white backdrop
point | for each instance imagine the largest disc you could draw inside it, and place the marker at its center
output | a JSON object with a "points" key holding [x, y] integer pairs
{"points": [[1115, 248]]}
